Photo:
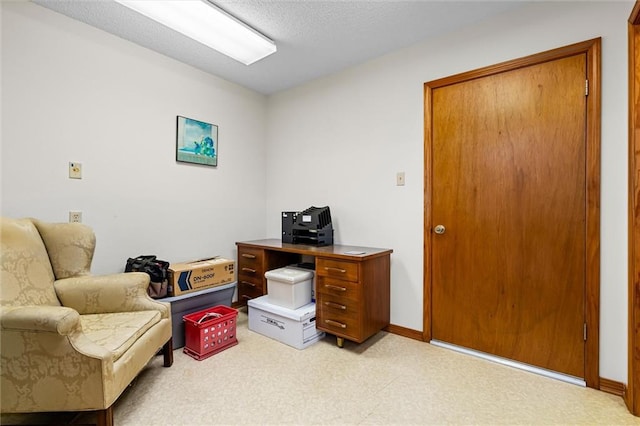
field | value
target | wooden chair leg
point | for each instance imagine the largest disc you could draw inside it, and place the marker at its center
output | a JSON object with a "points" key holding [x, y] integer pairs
{"points": [[167, 351], [105, 417]]}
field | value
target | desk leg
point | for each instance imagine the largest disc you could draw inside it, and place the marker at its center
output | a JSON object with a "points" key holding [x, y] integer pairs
{"points": [[340, 341]]}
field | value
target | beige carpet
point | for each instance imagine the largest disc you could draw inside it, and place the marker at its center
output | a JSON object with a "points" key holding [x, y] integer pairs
{"points": [[386, 380]]}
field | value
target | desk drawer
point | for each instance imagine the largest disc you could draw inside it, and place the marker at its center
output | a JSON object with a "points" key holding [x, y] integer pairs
{"points": [[339, 269], [250, 262], [337, 321], [338, 306], [250, 257], [255, 275], [338, 289], [250, 274], [248, 290], [248, 254]]}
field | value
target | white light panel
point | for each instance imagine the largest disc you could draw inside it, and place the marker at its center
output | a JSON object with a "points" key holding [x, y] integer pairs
{"points": [[207, 24]]}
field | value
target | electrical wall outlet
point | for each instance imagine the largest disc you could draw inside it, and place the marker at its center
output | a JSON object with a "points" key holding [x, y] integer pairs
{"points": [[75, 170], [75, 217]]}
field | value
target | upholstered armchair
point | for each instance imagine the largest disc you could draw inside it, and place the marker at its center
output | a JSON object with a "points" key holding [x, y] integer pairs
{"points": [[70, 341]]}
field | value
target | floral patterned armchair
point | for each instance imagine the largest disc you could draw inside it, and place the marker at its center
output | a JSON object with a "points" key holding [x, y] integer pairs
{"points": [[70, 341]]}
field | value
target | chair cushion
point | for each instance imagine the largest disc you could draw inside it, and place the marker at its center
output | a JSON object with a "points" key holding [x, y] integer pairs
{"points": [[25, 271], [118, 331]]}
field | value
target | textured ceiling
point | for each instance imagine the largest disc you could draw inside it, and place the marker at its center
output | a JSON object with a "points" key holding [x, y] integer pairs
{"points": [[314, 38]]}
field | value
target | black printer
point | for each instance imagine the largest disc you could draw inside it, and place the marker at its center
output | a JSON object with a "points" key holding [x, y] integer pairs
{"points": [[312, 226]]}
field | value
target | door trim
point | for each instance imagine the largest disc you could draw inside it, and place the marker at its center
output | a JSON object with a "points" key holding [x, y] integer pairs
{"points": [[592, 49], [632, 394]]}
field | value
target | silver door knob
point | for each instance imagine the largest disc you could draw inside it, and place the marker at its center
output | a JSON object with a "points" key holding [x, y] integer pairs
{"points": [[439, 229]]}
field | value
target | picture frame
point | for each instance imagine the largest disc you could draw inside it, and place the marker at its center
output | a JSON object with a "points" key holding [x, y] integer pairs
{"points": [[196, 142]]}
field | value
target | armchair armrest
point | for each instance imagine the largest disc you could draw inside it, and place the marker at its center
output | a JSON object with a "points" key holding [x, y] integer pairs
{"points": [[53, 319], [97, 294], [34, 321]]}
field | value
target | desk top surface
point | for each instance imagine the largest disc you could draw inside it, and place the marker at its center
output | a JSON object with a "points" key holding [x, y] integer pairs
{"points": [[334, 251]]}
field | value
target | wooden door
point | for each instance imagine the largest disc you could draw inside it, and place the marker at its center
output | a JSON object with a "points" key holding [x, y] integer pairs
{"points": [[632, 396], [509, 186]]}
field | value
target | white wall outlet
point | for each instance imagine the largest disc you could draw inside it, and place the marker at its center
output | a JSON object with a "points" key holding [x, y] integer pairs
{"points": [[400, 179], [75, 217], [75, 170]]}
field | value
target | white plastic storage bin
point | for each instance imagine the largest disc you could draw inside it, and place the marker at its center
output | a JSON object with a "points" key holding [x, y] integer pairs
{"points": [[293, 327], [289, 287]]}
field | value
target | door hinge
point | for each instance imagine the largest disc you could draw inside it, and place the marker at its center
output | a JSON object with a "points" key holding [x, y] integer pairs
{"points": [[585, 332], [586, 87]]}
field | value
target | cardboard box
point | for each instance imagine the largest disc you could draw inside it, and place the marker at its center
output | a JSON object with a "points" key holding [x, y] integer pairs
{"points": [[200, 274], [293, 327], [289, 287], [196, 301]]}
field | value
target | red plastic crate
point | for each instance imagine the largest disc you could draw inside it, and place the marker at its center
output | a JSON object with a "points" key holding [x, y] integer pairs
{"points": [[209, 331]]}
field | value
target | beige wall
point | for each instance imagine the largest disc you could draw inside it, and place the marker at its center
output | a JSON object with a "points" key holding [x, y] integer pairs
{"points": [[74, 93], [354, 130], [71, 92]]}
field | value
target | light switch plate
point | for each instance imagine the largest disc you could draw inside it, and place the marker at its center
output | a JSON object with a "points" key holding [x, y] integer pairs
{"points": [[75, 170]]}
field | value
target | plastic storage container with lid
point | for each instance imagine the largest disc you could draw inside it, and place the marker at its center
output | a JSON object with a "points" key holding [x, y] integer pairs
{"points": [[289, 287]]}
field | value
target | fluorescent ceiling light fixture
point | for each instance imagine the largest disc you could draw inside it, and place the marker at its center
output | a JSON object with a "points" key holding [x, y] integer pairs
{"points": [[207, 24]]}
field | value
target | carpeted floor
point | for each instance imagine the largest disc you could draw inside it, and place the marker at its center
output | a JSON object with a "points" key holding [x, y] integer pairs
{"points": [[386, 380]]}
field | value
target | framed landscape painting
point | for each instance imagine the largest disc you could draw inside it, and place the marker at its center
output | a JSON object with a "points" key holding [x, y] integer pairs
{"points": [[196, 142]]}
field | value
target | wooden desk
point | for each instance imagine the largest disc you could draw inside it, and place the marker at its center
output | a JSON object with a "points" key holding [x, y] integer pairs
{"points": [[352, 290]]}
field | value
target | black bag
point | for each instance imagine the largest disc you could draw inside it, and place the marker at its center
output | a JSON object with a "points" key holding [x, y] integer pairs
{"points": [[158, 271]]}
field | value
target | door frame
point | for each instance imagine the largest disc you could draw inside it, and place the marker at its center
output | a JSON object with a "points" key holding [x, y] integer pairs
{"points": [[632, 393], [592, 50]]}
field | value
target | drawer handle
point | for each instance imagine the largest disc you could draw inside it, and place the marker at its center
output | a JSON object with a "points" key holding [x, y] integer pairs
{"points": [[248, 283], [335, 305], [335, 287], [335, 323], [328, 268], [248, 256], [244, 296], [253, 271]]}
